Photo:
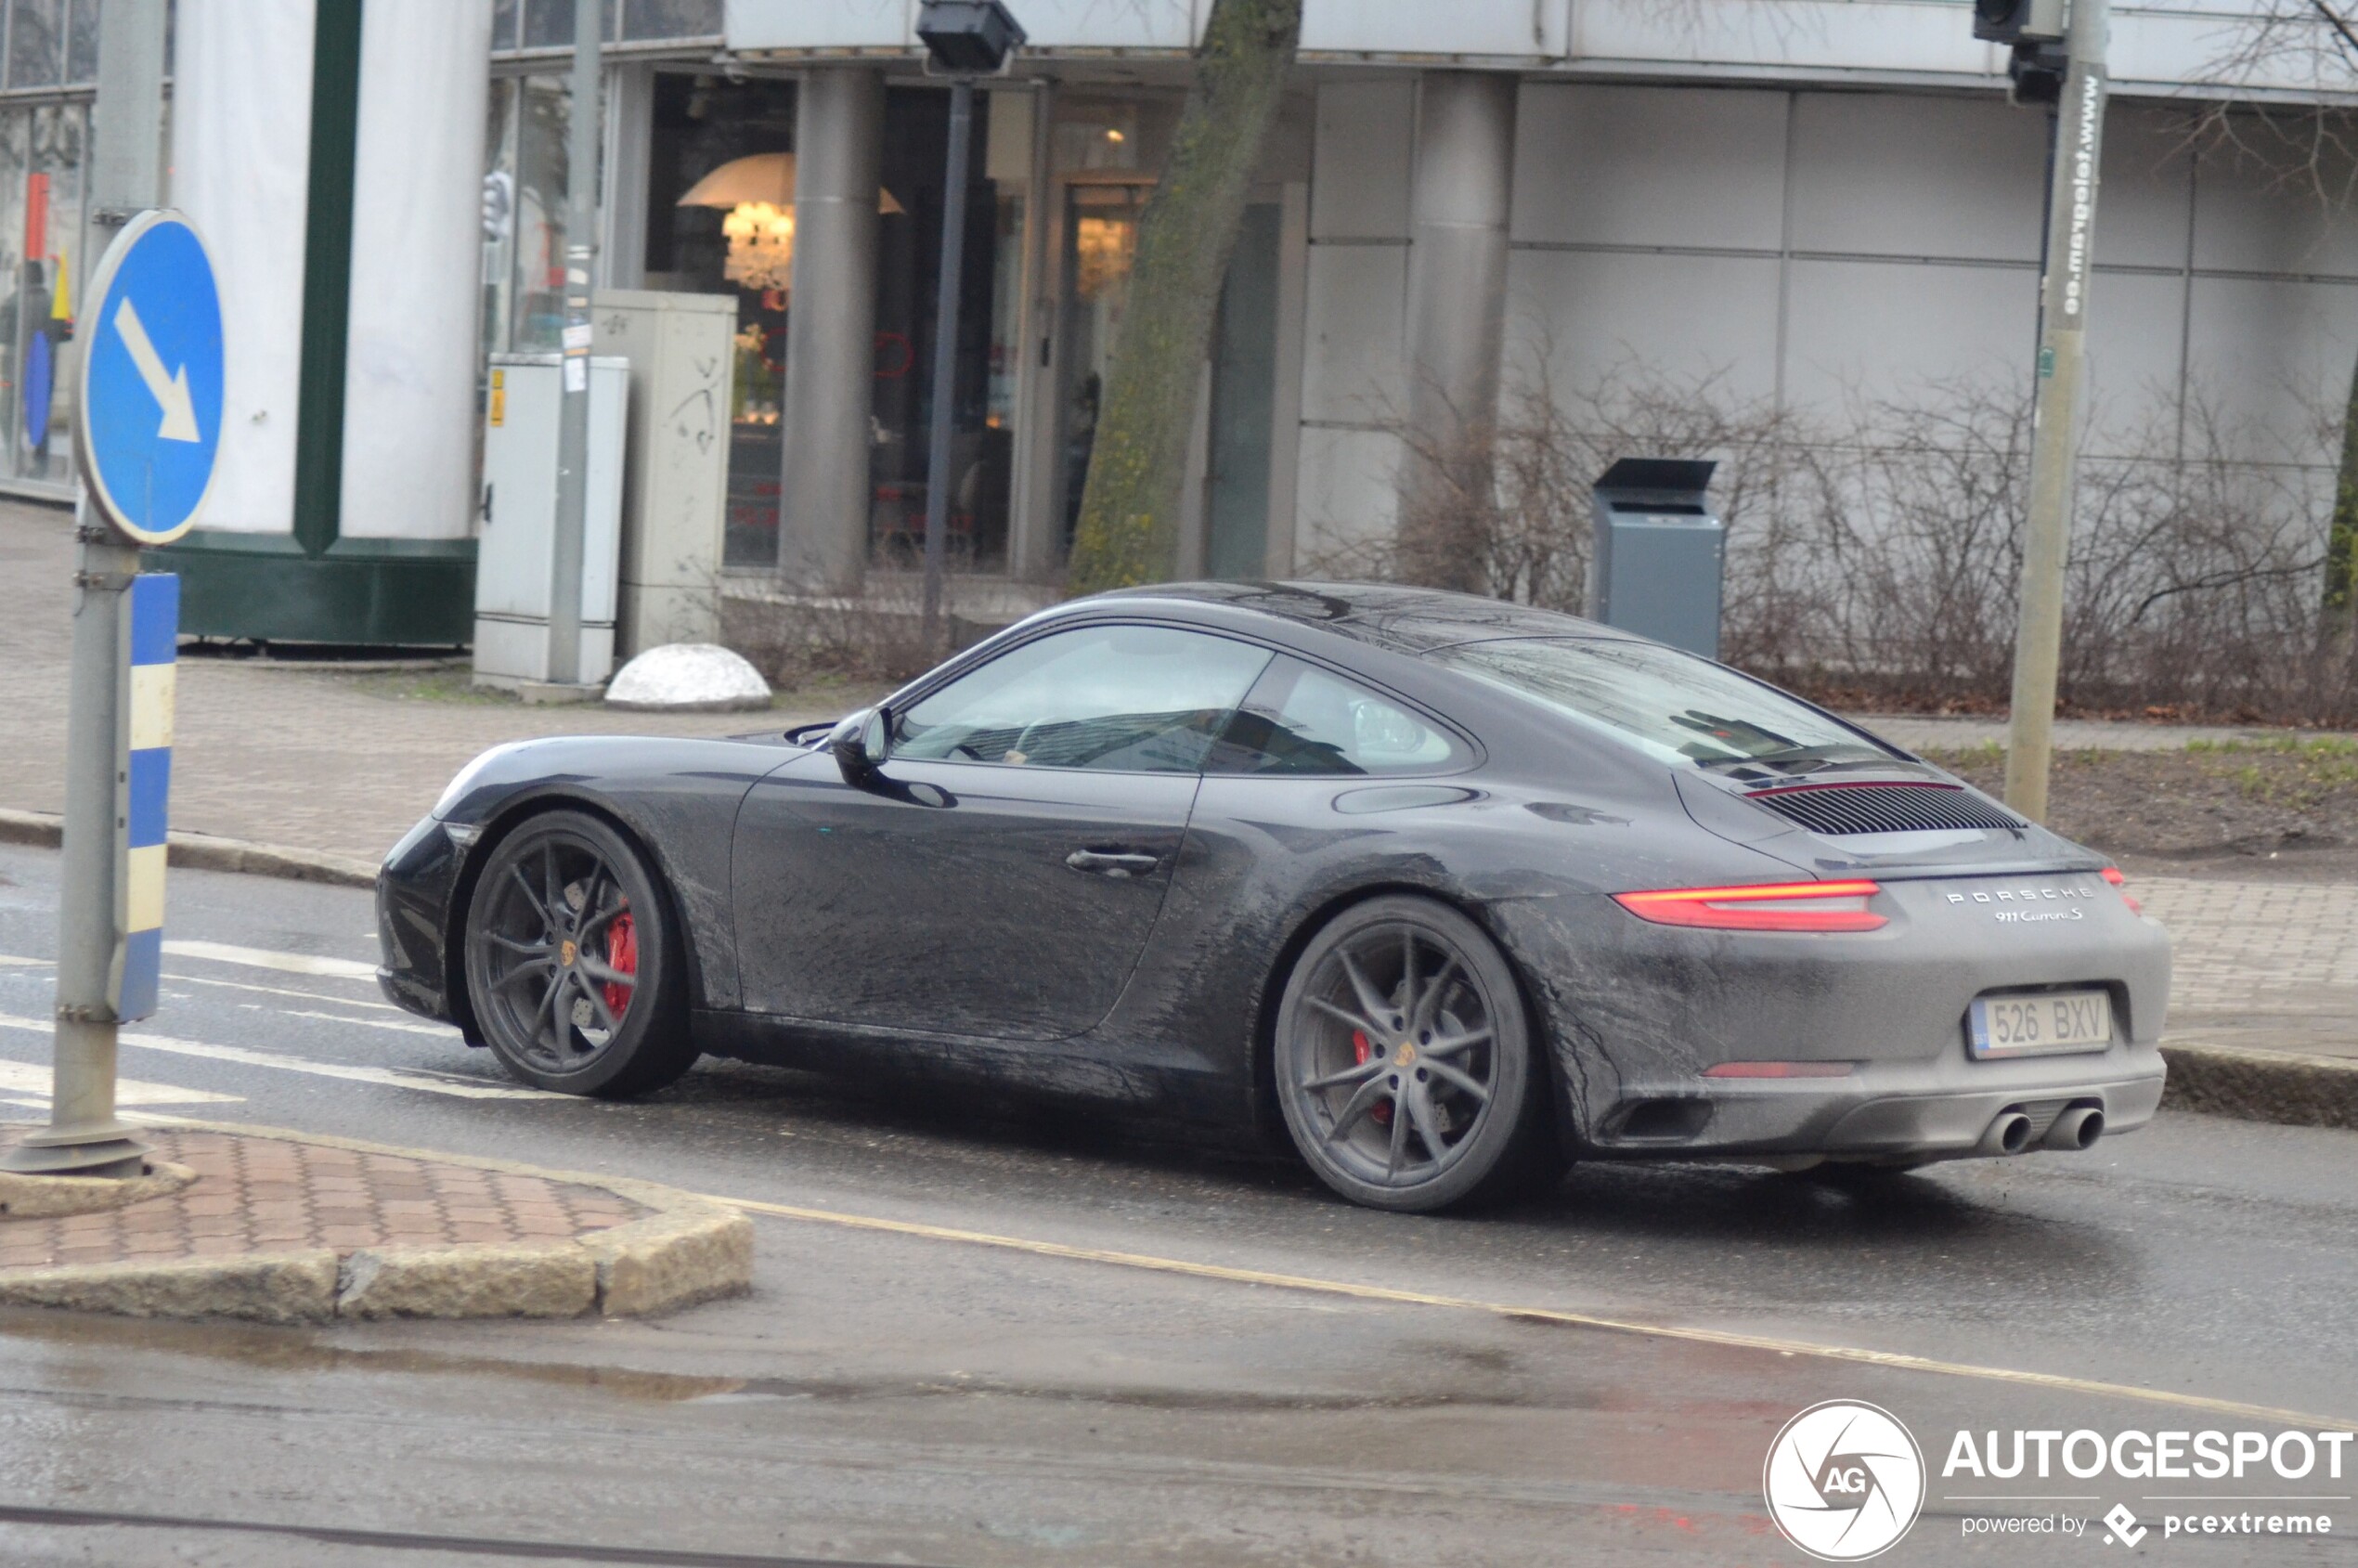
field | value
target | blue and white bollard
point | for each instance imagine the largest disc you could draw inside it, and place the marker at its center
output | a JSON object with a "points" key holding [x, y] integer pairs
{"points": [[150, 628]]}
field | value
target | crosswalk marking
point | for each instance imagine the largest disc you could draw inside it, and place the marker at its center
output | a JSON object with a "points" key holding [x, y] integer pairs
{"points": [[28, 1084], [264, 958], [397, 1077], [179, 978]]}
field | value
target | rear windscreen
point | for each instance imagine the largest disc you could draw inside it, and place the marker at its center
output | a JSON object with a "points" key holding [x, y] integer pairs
{"points": [[1672, 704]]}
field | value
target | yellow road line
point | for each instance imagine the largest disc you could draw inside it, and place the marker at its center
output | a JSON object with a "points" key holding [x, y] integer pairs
{"points": [[1894, 1360]]}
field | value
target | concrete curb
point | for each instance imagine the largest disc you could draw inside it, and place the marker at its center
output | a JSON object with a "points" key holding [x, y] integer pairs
{"points": [[687, 1249], [50, 1198], [203, 851], [2258, 1085]]}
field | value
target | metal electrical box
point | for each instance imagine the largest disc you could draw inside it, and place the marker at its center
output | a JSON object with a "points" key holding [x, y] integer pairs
{"points": [[683, 354], [1661, 554], [514, 560]]}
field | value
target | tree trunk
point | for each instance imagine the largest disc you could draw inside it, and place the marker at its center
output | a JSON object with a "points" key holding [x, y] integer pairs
{"points": [[2341, 556], [2343, 535], [1129, 527]]}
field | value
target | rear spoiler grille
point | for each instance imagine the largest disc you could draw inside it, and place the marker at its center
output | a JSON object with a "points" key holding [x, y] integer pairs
{"points": [[1883, 808]]}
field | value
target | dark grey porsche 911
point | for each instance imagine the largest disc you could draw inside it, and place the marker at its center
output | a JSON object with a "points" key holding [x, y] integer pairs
{"points": [[1448, 891]]}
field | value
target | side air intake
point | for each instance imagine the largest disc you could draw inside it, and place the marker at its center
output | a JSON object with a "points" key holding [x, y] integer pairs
{"points": [[1883, 808]]}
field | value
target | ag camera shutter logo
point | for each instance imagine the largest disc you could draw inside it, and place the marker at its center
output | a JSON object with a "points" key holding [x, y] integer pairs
{"points": [[1843, 1480]]}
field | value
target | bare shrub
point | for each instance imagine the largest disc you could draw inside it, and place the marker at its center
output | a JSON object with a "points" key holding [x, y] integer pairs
{"points": [[1874, 554], [796, 639]]}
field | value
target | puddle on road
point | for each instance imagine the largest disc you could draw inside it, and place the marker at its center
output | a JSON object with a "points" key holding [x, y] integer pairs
{"points": [[295, 1350]]}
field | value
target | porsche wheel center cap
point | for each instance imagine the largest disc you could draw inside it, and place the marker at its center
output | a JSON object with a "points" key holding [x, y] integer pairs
{"points": [[1404, 1056], [567, 953]]}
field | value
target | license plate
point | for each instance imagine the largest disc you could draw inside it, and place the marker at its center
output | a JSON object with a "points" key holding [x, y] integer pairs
{"points": [[2039, 1023]]}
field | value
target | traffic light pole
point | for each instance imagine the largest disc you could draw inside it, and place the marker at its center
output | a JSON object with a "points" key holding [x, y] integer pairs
{"points": [[572, 426], [945, 354], [2061, 388]]}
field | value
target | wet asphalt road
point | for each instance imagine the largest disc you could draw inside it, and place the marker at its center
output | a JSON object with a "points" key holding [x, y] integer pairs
{"points": [[883, 1397]]}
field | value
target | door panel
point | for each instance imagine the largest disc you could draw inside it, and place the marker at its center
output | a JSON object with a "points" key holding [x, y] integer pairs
{"points": [[944, 900]]}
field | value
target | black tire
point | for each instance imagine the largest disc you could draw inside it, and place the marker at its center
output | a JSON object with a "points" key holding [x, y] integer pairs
{"points": [[559, 886], [1376, 1111]]}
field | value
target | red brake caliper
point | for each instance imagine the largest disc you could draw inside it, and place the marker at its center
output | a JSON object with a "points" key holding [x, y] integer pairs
{"points": [[1360, 1051], [622, 956]]}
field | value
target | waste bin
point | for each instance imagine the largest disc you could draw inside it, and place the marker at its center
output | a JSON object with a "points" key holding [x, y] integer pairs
{"points": [[1659, 553]]}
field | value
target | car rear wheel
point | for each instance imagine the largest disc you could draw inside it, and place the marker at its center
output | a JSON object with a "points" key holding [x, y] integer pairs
{"points": [[1404, 1060], [573, 964]]}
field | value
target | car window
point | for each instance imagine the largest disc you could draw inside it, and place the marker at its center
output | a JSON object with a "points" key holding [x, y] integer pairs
{"points": [[1301, 720], [1675, 706], [1139, 699]]}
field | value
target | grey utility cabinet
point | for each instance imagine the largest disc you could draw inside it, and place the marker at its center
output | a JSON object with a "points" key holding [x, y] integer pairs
{"points": [[1661, 554]]}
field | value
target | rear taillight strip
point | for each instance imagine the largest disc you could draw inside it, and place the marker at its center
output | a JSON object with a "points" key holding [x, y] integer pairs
{"points": [[1761, 906]]}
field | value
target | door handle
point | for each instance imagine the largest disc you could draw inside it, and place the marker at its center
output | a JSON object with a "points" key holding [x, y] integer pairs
{"points": [[1112, 862]]}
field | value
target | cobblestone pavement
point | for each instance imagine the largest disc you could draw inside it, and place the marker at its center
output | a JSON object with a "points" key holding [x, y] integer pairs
{"points": [[272, 1194], [265, 752], [2267, 964]]}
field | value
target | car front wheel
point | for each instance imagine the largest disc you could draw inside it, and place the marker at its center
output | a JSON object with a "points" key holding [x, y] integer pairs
{"points": [[574, 965]]}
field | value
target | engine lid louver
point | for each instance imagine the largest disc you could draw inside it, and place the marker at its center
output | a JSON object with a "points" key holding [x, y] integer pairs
{"points": [[1883, 808]]}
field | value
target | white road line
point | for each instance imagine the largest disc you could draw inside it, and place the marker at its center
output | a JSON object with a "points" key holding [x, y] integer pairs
{"points": [[25, 1079], [439, 1031], [177, 976], [262, 958], [11, 960], [397, 1077]]}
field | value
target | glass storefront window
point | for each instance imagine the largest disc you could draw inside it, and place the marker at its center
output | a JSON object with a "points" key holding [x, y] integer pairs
{"points": [[41, 222], [704, 124], [536, 312], [908, 263], [1101, 241], [36, 43], [735, 140]]}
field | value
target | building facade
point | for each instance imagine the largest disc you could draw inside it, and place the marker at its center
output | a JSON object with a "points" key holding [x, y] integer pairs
{"points": [[1804, 203]]}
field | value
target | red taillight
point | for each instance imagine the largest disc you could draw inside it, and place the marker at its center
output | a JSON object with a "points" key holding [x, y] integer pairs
{"points": [[1766, 906], [2112, 874], [1780, 1070]]}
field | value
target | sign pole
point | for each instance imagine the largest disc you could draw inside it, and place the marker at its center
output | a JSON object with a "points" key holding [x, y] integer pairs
{"points": [[2071, 230], [84, 1137], [572, 426]]}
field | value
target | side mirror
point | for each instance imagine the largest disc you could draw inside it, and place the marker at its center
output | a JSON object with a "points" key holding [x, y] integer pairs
{"points": [[859, 744]]}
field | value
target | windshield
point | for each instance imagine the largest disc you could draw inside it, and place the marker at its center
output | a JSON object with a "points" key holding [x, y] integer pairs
{"points": [[1673, 704]]}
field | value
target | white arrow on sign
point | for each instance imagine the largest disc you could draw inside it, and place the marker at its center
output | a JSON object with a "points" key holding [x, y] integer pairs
{"points": [[171, 391]]}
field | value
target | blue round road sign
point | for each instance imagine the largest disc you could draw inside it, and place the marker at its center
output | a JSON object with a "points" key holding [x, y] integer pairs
{"points": [[151, 415]]}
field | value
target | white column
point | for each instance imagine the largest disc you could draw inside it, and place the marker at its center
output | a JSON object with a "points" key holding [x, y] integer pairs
{"points": [[240, 170], [417, 268], [823, 511], [1459, 201]]}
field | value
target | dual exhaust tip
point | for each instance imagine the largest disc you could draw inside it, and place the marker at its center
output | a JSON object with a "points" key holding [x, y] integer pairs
{"points": [[2078, 1128]]}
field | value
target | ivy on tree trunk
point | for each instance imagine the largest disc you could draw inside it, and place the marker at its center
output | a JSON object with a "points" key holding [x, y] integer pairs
{"points": [[1129, 527], [2343, 534]]}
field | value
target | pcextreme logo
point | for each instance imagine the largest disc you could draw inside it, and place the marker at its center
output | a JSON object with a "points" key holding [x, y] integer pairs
{"points": [[1843, 1480]]}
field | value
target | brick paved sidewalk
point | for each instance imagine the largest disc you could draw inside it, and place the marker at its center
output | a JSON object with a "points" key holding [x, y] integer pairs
{"points": [[2273, 964], [256, 1195], [303, 757]]}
